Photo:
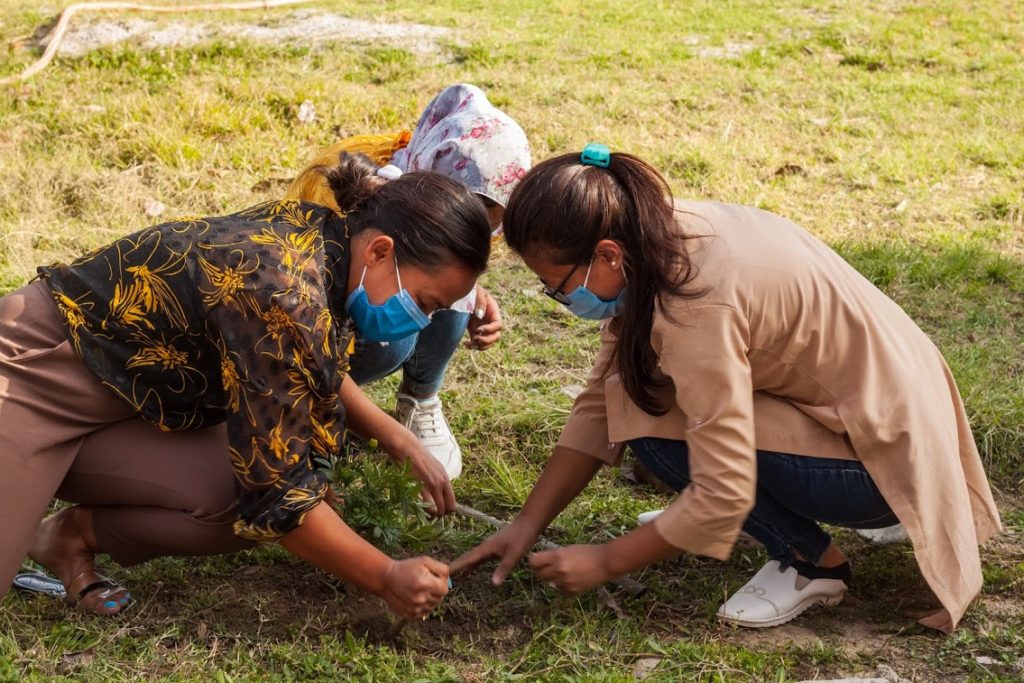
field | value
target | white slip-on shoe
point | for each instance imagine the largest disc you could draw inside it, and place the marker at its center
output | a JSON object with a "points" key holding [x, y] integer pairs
{"points": [[884, 536], [645, 517], [775, 596], [424, 418]]}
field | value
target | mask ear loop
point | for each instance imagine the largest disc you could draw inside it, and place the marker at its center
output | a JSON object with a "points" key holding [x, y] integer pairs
{"points": [[398, 273], [622, 267], [589, 267]]}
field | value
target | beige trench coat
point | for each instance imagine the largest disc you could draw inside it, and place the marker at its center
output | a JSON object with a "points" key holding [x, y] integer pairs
{"points": [[792, 350]]}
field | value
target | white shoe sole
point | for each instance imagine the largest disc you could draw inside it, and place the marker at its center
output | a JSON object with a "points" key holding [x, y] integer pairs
{"points": [[788, 616], [645, 517]]}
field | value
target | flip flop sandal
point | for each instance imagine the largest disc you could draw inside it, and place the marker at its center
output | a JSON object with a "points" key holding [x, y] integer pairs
{"points": [[110, 590], [37, 582]]}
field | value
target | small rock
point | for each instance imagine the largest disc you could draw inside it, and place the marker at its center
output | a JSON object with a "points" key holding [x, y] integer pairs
{"points": [[153, 208], [847, 680], [80, 658], [883, 674], [573, 390], [889, 674], [902, 206], [644, 667], [307, 112], [730, 50], [985, 661]]}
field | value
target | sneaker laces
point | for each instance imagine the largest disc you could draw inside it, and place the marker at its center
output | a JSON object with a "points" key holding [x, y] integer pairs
{"points": [[427, 423]]}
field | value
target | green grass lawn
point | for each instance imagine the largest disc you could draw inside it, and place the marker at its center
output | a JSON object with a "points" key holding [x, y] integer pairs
{"points": [[892, 130]]}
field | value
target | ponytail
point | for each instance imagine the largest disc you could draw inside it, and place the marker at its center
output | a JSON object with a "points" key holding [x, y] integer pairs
{"points": [[433, 220], [563, 208]]}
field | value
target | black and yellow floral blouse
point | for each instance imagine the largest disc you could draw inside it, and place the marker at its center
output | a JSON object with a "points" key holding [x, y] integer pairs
{"points": [[238, 318]]}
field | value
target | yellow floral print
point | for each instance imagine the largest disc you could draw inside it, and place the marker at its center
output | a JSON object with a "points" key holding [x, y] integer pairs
{"points": [[143, 290], [167, 356], [226, 283], [235, 318], [73, 314]]}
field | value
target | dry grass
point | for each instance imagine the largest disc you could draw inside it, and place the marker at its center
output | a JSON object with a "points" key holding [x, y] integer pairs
{"points": [[892, 130]]}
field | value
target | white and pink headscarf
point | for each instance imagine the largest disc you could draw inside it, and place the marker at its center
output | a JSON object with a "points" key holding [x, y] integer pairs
{"points": [[465, 137]]}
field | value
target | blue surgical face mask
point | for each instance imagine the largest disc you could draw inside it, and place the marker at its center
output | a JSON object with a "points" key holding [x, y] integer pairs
{"points": [[395, 319], [586, 304]]}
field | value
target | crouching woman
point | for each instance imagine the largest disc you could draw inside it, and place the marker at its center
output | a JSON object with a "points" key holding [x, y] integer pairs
{"points": [[757, 373], [177, 385]]}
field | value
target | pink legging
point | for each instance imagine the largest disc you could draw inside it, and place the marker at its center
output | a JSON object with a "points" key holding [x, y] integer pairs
{"points": [[64, 434], [156, 493]]}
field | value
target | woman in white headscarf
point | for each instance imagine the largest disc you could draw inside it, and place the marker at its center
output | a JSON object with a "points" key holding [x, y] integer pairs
{"points": [[463, 136]]}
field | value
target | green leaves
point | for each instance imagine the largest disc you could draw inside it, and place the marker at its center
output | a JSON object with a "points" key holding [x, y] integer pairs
{"points": [[379, 499]]}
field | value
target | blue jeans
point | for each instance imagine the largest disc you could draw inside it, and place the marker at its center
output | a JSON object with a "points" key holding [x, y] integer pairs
{"points": [[794, 493], [423, 357]]}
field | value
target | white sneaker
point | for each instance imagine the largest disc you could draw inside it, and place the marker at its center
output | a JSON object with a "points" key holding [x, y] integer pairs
{"points": [[423, 417], [774, 597]]}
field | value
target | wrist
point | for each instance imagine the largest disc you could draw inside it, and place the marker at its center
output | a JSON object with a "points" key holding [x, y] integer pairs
{"points": [[637, 549], [380, 580], [610, 561], [531, 522], [398, 442]]}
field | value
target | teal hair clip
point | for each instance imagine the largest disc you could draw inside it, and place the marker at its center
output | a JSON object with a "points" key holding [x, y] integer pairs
{"points": [[596, 154]]}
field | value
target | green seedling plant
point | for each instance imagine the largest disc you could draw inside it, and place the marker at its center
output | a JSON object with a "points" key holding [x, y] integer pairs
{"points": [[378, 497]]}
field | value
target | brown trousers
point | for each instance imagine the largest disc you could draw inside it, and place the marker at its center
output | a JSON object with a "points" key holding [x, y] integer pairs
{"points": [[63, 434]]}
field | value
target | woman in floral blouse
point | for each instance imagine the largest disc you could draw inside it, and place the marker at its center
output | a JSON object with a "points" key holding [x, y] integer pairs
{"points": [[463, 136], [232, 336]]}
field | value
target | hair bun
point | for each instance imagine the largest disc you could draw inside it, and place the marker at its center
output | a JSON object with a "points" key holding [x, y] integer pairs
{"points": [[354, 180]]}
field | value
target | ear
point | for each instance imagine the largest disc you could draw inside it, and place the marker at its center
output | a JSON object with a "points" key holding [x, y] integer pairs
{"points": [[380, 249], [610, 253]]}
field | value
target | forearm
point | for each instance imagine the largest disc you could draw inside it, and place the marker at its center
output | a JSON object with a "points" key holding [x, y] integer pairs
{"points": [[325, 541], [366, 419], [639, 548], [566, 474]]}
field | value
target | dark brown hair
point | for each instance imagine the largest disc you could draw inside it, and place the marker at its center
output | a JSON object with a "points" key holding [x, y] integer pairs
{"points": [[433, 220], [562, 209]]}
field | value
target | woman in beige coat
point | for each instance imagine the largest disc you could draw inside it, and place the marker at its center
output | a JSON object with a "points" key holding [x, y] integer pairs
{"points": [[757, 373]]}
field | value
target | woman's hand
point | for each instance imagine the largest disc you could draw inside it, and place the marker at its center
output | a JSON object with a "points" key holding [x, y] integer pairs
{"points": [[485, 324], [578, 568], [369, 421], [414, 587], [574, 569], [437, 487], [508, 546]]}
